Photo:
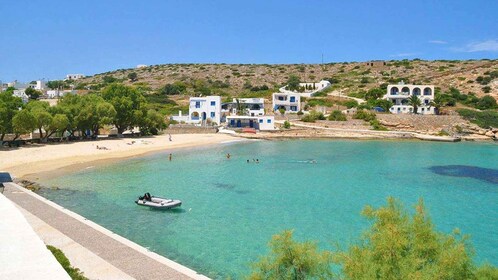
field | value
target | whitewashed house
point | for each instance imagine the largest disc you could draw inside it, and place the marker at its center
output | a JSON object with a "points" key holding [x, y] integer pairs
{"points": [[21, 94], [74, 76], [257, 122], [249, 106], [399, 95], [289, 101]]}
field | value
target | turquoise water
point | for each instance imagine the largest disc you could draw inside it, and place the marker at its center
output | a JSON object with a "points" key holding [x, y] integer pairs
{"points": [[231, 208]]}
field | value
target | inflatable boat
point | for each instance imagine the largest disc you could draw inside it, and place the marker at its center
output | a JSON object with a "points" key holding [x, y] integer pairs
{"points": [[157, 202]]}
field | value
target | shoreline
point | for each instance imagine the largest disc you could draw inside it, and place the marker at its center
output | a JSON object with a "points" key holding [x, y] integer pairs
{"points": [[42, 161], [34, 162]]}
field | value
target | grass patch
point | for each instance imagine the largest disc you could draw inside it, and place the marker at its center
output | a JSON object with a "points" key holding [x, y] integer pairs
{"points": [[73, 272]]}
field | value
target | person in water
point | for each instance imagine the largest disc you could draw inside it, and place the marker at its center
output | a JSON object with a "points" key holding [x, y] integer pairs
{"points": [[170, 156], [228, 156], [247, 161], [257, 160]]}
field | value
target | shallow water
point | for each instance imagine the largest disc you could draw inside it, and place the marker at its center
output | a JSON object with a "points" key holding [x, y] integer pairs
{"points": [[231, 208]]}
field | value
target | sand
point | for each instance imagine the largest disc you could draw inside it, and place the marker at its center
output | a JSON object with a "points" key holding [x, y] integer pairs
{"points": [[32, 161]]}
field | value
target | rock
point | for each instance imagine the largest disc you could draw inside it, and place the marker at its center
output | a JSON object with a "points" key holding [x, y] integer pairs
{"points": [[481, 132], [495, 130], [490, 134]]}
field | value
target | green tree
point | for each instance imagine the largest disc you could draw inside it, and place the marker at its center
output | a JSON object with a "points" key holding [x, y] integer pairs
{"points": [[9, 106], [415, 102], [153, 123], [287, 124], [60, 123], [39, 110], [32, 93], [130, 106], [132, 76], [23, 122], [374, 93], [398, 246], [289, 259], [94, 113], [437, 103], [293, 83]]}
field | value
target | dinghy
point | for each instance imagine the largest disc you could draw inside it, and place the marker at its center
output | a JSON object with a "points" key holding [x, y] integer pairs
{"points": [[157, 202]]}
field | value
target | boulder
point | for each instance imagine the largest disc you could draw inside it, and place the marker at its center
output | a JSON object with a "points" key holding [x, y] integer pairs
{"points": [[490, 134], [481, 132]]}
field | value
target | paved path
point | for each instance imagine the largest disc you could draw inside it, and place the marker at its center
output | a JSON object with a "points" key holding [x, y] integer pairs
{"points": [[125, 255]]}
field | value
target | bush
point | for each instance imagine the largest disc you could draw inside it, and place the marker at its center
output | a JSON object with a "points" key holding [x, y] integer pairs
{"points": [[287, 125], [486, 102], [350, 103], [377, 126], [74, 273], [282, 111], [337, 115], [313, 116], [364, 115], [300, 113], [484, 119]]}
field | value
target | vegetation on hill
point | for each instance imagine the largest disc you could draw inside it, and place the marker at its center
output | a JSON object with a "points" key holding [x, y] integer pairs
{"points": [[396, 246], [233, 79]]}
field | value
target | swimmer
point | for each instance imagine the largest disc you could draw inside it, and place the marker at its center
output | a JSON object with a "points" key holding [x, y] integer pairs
{"points": [[228, 156]]}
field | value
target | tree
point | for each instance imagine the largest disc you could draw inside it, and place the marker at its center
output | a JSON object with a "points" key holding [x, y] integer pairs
{"points": [[289, 259], [374, 93], [398, 246], [32, 93], [23, 122], [132, 76], [9, 106], [173, 89], [153, 123], [293, 83], [39, 110], [437, 103], [94, 113], [130, 106], [415, 102], [60, 122]]}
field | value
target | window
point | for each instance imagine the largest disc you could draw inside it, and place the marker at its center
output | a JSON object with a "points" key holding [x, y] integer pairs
{"points": [[281, 98], [268, 121], [213, 103], [232, 122], [197, 104], [293, 108], [212, 114], [292, 99], [260, 120]]}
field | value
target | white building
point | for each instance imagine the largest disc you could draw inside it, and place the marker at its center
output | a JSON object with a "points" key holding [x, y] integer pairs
{"points": [[399, 95], [256, 122], [289, 101], [205, 109], [312, 88], [21, 94], [74, 76], [58, 93], [250, 106], [139, 66]]}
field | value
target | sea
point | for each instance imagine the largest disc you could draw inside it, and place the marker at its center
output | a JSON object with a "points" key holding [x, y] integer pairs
{"points": [[317, 188]]}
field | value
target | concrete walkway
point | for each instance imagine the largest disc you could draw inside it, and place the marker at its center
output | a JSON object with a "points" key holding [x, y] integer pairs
{"points": [[128, 257], [22, 254]]}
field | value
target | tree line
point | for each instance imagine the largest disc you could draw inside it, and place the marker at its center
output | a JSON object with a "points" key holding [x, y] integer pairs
{"points": [[121, 106]]}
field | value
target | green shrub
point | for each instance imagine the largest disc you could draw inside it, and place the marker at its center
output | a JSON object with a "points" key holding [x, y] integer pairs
{"points": [[74, 273], [350, 103], [364, 115], [337, 115], [484, 119], [300, 113], [282, 110], [486, 102], [287, 125], [313, 116], [377, 126]]}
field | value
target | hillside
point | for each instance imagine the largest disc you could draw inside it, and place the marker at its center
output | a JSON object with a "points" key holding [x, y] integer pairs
{"points": [[472, 76]]}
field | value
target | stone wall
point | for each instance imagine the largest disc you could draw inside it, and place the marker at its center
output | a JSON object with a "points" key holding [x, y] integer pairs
{"points": [[190, 129]]}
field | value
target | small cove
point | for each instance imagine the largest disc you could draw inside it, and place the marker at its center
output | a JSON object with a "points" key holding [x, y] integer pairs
{"points": [[231, 208]]}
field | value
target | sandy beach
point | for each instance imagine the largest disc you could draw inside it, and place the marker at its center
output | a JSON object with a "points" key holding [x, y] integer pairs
{"points": [[29, 162]]}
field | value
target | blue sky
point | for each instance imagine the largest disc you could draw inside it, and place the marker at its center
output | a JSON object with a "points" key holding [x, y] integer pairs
{"points": [[49, 39]]}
